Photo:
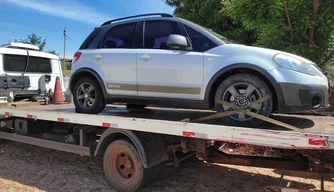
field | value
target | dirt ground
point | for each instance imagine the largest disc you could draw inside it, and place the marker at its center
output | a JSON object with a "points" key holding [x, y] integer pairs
{"points": [[28, 168]]}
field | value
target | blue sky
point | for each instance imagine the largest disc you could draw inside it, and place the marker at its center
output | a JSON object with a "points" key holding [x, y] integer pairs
{"points": [[47, 18]]}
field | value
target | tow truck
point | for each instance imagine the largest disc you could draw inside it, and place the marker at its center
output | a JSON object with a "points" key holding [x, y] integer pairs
{"points": [[135, 144]]}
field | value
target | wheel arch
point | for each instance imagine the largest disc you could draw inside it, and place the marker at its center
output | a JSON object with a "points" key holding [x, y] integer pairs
{"points": [[86, 72], [151, 154], [226, 72]]}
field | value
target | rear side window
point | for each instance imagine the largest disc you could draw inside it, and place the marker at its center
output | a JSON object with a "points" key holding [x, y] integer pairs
{"points": [[199, 41], [157, 32], [17, 63], [120, 36], [90, 38]]}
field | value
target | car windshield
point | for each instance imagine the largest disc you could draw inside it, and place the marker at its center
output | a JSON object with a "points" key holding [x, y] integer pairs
{"points": [[219, 36]]}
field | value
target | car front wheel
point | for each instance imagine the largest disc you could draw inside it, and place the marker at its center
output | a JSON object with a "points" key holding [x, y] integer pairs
{"points": [[242, 90], [88, 96]]}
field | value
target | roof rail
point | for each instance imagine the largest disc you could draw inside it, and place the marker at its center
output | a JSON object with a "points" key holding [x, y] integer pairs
{"points": [[143, 15]]}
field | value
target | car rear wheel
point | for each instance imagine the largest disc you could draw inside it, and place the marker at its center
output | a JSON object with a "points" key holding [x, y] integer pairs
{"points": [[88, 96], [242, 90]]}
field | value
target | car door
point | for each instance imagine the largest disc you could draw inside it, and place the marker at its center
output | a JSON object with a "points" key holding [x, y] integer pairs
{"points": [[164, 72], [116, 60]]}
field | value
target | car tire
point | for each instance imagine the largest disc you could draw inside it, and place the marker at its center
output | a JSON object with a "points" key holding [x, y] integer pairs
{"points": [[89, 87], [242, 89], [123, 167]]}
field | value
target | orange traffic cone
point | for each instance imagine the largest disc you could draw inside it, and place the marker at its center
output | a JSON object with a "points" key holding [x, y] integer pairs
{"points": [[58, 97]]}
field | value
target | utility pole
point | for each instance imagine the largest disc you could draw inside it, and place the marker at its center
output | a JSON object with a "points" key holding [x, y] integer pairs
{"points": [[64, 47]]}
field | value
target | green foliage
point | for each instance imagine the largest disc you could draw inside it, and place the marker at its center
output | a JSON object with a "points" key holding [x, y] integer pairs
{"points": [[265, 24], [53, 52], [68, 65], [269, 19], [212, 14], [33, 39]]}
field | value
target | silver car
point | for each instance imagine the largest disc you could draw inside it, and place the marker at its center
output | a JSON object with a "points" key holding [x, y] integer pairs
{"points": [[168, 61]]}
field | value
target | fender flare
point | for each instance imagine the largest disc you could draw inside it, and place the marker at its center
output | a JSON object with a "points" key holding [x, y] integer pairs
{"points": [[92, 72], [148, 155], [253, 67]]}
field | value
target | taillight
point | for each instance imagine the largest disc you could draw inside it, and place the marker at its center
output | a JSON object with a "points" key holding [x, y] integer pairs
{"points": [[76, 56]]}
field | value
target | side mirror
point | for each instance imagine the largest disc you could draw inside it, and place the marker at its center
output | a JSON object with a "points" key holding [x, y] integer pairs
{"points": [[177, 42]]}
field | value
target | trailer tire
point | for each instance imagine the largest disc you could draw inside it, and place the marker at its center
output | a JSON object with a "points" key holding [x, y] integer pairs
{"points": [[123, 167], [155, 173]]}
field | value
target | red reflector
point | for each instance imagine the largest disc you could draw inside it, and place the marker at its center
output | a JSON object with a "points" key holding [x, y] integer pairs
{"points": [[60, 119], [106, 124], [188, 134], [29, 116], [76, 56], [317, 142]]}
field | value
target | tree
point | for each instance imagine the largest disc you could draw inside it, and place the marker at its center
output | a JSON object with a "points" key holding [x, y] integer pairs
{"points": [[33, 39], [212, 14], [302, 27], [52, 52]]}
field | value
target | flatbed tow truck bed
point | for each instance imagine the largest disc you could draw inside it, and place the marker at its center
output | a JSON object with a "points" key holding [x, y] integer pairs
{"points": [[317, 132], [150, 129]]}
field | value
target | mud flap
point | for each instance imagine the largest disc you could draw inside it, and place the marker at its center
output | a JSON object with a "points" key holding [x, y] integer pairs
{"points": [[151, 147], [155, 148]]}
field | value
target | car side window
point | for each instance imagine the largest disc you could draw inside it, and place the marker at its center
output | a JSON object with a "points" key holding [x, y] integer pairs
{"points": [[120, 36], [199, 41], [90, 38], [157, 32]]}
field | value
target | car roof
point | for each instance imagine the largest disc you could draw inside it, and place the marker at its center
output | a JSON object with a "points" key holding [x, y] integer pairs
{"points": [[17, 51], [139, 17], [136, 18]]}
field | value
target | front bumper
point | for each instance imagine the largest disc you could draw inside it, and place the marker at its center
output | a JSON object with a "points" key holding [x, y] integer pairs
{"points": [[301, 97]]}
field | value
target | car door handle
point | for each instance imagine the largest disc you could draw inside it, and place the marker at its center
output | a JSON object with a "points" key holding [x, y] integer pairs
{"points": [[97, 57], [145, 57]]}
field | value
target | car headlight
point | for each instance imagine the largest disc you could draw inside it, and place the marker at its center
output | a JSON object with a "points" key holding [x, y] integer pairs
{"points": [[293, 63]]}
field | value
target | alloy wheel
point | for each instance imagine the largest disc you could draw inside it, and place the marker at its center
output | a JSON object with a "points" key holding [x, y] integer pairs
{"points": [[86, 95], [242, 95]]}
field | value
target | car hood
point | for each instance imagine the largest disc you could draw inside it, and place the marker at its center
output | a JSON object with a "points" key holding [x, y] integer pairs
{"points": [[256, 51]]}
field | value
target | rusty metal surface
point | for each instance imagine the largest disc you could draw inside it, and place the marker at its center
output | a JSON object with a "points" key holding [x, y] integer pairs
{"points": [[216, 156], [47, 144], [20, 104]]}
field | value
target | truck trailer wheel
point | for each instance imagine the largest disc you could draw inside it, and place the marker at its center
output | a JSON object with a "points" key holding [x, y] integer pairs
{"points": [[123, 167]]}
